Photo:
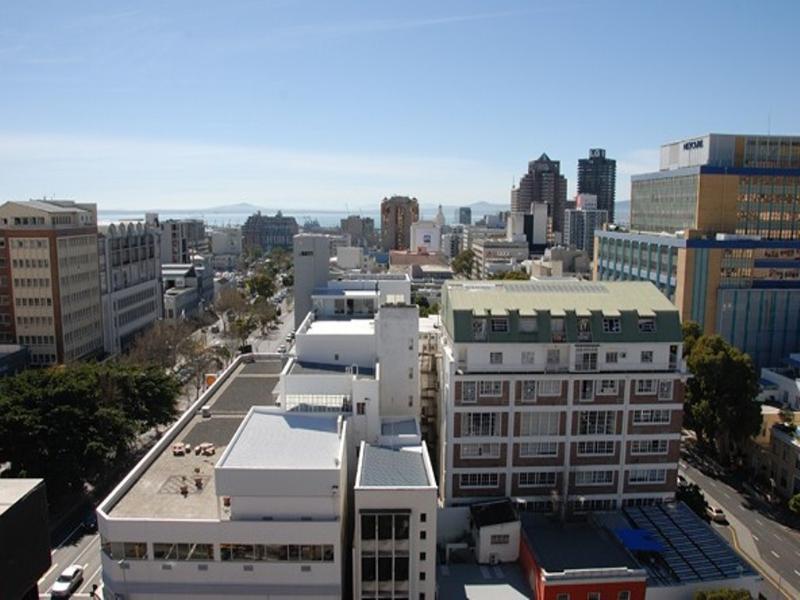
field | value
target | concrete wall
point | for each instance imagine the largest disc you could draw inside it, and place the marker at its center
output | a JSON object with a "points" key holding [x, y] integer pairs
{"points": [[396, 330], [487, 552]]}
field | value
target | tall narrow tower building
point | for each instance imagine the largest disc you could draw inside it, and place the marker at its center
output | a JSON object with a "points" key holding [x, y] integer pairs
{"points": [[597, 175]]}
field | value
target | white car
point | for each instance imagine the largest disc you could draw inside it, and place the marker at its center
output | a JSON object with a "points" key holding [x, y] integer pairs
{"points": [[68, 582], [715, 514]]}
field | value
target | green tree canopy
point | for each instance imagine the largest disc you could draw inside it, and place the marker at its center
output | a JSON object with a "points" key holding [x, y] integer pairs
{"points": [[512, 276], [691, 333], [261, 285], [723, 594], [71, 424], [720, 394], [693, 497], [462, 263], [794, 504]]}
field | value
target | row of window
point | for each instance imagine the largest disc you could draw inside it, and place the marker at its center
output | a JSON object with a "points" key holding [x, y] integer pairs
{"points": [[228, 552], [30, 263], [557, 325], [585, 360], [29, 243], [550, 449], [32, 282], [594, 422], [548, 388], [33, 301], [548, 478], [36, 340]]}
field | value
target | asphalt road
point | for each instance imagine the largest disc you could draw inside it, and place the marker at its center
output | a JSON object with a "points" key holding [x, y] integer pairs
{"points": [[777, 544], [77, 548]]}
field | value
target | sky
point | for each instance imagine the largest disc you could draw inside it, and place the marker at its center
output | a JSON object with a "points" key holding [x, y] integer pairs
{"points": [[334, 105]]}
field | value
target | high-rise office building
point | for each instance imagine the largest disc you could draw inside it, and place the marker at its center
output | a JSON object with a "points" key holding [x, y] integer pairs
{"points": [[464, 215], [263, 233], [397, 215], [598, 175], [558, 392], [718, 183], [49, 280], [360, 229], [543, 183]]}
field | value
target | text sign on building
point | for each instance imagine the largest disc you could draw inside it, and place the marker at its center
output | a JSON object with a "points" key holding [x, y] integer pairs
{"points": [[693, 145]]}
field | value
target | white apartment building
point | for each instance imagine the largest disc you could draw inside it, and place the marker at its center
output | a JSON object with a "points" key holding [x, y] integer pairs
{"points": [[130, 281], [559, 393], [426, 235], [49, 281]]}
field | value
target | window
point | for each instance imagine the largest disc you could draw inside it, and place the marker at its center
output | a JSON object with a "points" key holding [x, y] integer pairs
{"points": [[639, 447], [549, 387], [423, 535], [423, 556], [528, 358], [624, 595], [423, 517], [529, 390], [586, 388], [247, 552], [612, 358], [529, 449], [665, 389], [479, 329], [647, 476], [553, 357], [593, 596], [537, 479], [602, 422], [585, 360], [361, 408], [652, 417], [539, 423], [557, 329], [478, 480], [493, 389], [528, 324], [647, 356], [647, 324], [645, 386], [498, 539], [598, 448], [126, 550], [612, 325], [495, 358], [584, 328], [183, 551], [422, 575], [480, 424], [562, 596], [608, 387], [480, 450], [594, 477], [468, 395], [499, 325]]}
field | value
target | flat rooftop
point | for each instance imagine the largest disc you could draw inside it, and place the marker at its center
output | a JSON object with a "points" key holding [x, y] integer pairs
{"points": [[271, 440], [342, 327], [558, 296], [155, 494], [482, 582], [302, 367], [564, 546], [13, 490], [392, 467]]}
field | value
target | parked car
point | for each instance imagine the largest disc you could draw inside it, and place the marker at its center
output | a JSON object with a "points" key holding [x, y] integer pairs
{"points": [[89, 523], [282, 348], [715, 514], [68, 582]]}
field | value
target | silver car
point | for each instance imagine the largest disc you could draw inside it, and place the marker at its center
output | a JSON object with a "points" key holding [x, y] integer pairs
{"points": [[68, 582]]}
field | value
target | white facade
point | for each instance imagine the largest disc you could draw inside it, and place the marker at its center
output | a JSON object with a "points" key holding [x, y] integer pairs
{"points": [[397, 346], [226, 248], [497, 543], [350, 257], [785, 384], [426, 235]]}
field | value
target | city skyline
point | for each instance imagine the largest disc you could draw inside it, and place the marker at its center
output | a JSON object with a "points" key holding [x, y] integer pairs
{"points": [[145, 105]]}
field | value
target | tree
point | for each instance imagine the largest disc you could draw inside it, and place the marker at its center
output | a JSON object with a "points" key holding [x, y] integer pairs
{"points": [[720, 394], [512, 276], [72, 424], [723, 594], [229, 300], [159, 344], [199, 359], [462, 263], [691, 495], [691, 333], [261, 285], [794, 504], [242, 327], [264, 313]]}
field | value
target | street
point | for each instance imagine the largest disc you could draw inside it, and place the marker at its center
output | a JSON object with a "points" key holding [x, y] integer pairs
{"points": [[770, 546], [78, 548]]}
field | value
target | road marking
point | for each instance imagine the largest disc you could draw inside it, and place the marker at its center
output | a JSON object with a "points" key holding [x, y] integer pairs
{"points": [[759, 522], [742, 508], [85, 550], [775, 554], [727, 495], [757, 564], [755, 537], [779, 538], [712, 484], [796, 572], [50, 570], [90, 580]]}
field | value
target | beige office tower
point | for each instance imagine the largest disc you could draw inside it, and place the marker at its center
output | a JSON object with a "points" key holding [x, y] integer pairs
{"points": [[49, 280], [397, 215]]}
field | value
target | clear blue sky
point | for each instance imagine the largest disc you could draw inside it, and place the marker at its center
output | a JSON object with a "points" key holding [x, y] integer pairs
{"points": [[186, 104]]}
